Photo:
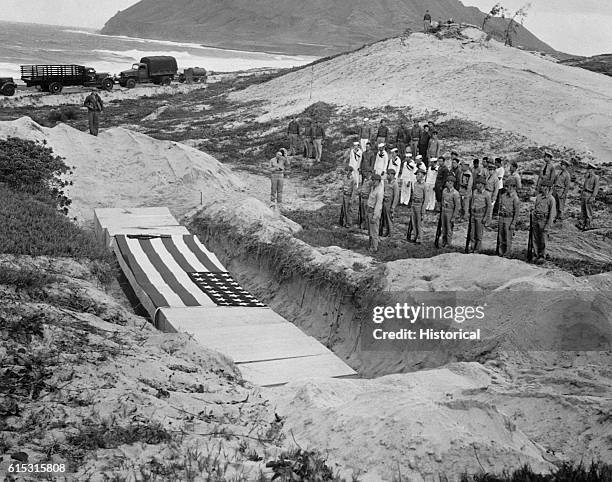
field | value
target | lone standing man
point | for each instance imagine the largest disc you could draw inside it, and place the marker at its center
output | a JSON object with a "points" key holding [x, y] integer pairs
{"points": [[561, 187], [94, 105], [417, 209], [481, 210], [451, 204], [509, 209], [375, 203], [587, 197], [278, 165], [318, 134], [543, 216], [364, 134], [426, 21], [293, 130]]}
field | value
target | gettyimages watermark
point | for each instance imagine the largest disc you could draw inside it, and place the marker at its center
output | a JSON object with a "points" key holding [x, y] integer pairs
{"points": [[474, 321]]}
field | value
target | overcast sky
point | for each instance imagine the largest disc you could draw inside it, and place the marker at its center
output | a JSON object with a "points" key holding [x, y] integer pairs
{"points": [[573, 26]]}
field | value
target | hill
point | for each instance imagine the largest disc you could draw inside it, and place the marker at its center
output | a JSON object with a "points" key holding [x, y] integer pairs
{"points": [[597, 63], [313, 27]]}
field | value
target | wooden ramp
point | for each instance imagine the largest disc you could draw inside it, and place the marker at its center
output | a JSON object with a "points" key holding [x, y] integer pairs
{"points": [[165, 266]]}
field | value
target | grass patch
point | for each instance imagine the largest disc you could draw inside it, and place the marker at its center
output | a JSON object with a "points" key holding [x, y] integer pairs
{"points": [[568, 472]]}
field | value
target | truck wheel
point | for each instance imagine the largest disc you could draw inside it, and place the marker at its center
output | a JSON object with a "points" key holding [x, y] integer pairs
{"points": [[166, 80], [107, 84], [8, 89], [131, 83], [55, 87]]}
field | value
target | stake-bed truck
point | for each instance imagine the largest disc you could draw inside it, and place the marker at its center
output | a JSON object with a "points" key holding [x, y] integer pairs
{"points": [[53, 78]]}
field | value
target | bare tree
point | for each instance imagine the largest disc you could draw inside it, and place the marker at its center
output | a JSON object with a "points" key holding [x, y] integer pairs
{"points": [[494, 12], [511, 29]]}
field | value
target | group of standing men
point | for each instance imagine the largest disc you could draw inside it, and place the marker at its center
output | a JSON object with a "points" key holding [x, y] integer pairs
{"points": [[307, 141]]}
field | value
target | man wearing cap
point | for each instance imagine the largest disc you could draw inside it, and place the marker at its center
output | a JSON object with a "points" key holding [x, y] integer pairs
{"points": [[588, 195], [481, 210], [390, 200], [466, 179], [364, 192], [318, 134], [401, 139], [548, 172], [293, 131], [367, 160], [365, 133], [450, 205], [417, 208], [354, 161], [543, 213], [308, 140], [433, 149], [95, 107], [509, 209], [394, 161], [348, 188], [375, 203], [441, 177], [382, 135], [407, 179], [381, 161], [277, 166], [415, 136], [561, 186]]}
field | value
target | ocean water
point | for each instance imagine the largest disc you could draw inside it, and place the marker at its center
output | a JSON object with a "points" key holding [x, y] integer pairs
{"points": [[23, 43]]}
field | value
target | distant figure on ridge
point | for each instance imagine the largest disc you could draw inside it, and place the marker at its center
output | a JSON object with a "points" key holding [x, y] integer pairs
{"points": [[426, 21], [94, 105]]}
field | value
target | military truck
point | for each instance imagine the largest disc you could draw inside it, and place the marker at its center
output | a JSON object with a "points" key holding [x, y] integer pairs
{"points": [[53, 78], [193, 74], [159, 69], [7, 86]]}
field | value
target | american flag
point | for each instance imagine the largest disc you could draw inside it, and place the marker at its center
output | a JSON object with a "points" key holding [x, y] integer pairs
{"points": [[223, 289]]}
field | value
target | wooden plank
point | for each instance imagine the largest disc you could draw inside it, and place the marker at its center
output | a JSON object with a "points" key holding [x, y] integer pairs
{"points": [[279, 372], [109, 233], [195, 317]]}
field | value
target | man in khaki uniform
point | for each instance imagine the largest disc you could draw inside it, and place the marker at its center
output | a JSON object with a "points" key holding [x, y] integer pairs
{"points": [[465, 187], [277, 166], [375, 202], [509, 209], [561, 187], [364, 193], [587, 197], [348, 187], [543, 213], [390, 200], [450, 205], [417, 209], [481, 210], [548, 171]]}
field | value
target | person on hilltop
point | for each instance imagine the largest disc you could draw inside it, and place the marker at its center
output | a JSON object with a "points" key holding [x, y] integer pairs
{"points": [[561, 187], [415, 136], [95, 106], [450, 206], [417, 206], [588, 195], [543, 215], [401, 139], [354, 161], [509, 209], [277, 165], [548, 171], [318, 135], [375, 202], [382, 135], [426, 21], [365, 133], [381, 160], [293, 131], [481, 210], [308, 140], [390, 200], [349, 186]]}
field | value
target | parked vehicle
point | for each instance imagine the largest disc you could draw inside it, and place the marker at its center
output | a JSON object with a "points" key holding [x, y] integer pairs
{"points": [[159, 69], [7, 86], [193, 74], [53, 78]]}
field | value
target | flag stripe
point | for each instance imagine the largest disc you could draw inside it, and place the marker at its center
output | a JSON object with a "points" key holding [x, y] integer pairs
{"points": [[210, 254], [166, 273], [171, 247], [189, 256], [139, 275], [180, 274], [155, 278], [200, 254]]}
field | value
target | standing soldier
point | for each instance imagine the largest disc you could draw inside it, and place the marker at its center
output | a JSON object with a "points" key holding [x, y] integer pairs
{"points": [[481, 210], [543, 216], [509, 209], [407, 179], [365, 133], [451, 204], [441, 177], [417, 209], [367, 160], [426, 21], [433, 149], [415, 136], [548, 172], [348, 187], [277, 166], [383, 133], [375, 202], [401, 139], [424, 142], [364, 193], [394, 161], [515, 174], [294, 136], [561, 187], [466, 180], [95, 106], [491, 184], [479, 170], [354, 161], [318, 134], [308, 144], [390, 200], [589, 192], [455, 169]]}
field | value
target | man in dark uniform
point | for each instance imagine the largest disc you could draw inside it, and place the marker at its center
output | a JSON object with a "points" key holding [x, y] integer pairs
{"points": [[383, 133], [443, 173], [95, 106], [561, 187]]}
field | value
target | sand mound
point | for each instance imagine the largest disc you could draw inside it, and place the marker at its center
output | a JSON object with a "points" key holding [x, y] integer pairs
{"points": [[483, 81], [419, 424], [122, 168]]}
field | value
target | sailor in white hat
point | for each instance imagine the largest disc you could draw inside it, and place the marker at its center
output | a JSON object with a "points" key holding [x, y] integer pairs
{"points": [[381, 161]]}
